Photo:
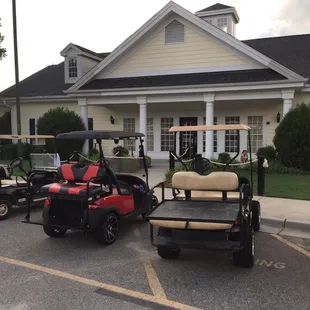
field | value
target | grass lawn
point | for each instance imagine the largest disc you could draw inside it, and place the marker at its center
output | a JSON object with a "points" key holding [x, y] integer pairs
{"points": [[294, 186]]}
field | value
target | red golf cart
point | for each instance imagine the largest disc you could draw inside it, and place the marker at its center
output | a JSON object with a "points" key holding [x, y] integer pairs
{"points": [[90, 196]]}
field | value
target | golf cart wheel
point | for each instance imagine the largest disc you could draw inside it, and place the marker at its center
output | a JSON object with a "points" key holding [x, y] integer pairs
{"points": [[54, 232], [245, 257], [255, 215], [5, 209], [108, 231], [167, 252]]}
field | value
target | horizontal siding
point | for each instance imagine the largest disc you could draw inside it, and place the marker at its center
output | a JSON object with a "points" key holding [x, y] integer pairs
{"points": [[197, 51], [86, 64], [301, 98], [36, 110]]}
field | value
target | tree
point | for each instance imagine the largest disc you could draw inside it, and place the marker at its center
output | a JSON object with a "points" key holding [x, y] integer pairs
{"points": [[292, 138], [2, 49], [60, 120]]}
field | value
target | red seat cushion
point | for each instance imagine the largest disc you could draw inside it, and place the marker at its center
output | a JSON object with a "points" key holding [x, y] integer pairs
{"points": [[70, 189]]}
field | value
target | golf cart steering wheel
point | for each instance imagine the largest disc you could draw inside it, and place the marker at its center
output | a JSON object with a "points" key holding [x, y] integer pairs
{"points": [[200, 165], [16, 163]]}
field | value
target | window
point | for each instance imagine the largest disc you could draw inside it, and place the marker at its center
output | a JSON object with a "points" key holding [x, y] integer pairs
{"points": [[174, 32], [231, 143], [150, 135], [129, 124], [214, 136], [73, 67], [165, 136], [256, 124], [222, 23], [32, 128]]}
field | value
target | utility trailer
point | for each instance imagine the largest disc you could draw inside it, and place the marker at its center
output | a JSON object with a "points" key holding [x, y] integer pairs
{"points": [[204, 221]]}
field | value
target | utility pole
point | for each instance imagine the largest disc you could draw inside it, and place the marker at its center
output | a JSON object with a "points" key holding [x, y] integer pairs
{"points": [[18, 121]]}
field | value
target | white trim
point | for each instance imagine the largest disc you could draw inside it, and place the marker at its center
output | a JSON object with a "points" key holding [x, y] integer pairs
{"points": [[44, 98], [192, 89], [185, 71], [164, 12], [288, 94], [306, 89], [79, 51]]}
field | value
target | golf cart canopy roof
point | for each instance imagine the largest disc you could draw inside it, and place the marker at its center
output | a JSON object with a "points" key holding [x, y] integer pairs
{"points": [[21, 137], [99, 135], [209, 128]]}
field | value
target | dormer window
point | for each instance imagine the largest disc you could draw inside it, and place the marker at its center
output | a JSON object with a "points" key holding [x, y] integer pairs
{"points": [[222, 23], [174, 33], [72, 67]]}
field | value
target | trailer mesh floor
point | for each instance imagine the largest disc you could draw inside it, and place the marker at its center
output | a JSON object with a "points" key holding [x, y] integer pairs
{"points": [[195, 210]]}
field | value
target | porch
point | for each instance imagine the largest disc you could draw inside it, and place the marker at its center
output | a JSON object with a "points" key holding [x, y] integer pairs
{"points": [[155, 118]]}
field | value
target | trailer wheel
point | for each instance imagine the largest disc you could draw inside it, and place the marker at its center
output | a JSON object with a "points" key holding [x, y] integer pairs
{"points": [[245, 257], [54, 232], [167, 252], [5, 209], [107, 232], [255, 215]]}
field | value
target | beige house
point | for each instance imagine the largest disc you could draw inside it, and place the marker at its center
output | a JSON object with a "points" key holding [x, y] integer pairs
{"points": [[178, 68]]}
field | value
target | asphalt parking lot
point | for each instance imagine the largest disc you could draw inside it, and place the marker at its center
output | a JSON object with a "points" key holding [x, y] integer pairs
{"points": [[74, 272]]}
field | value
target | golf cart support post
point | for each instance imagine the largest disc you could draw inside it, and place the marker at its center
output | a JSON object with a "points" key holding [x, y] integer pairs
{"points": [[238, 127]]}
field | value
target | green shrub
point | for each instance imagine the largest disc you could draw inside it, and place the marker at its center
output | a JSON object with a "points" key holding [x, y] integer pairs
{"points": [[170, 173], [269, 152], [224, 158], [9, 151], [60, 120], [292, 138], [120, 151]]}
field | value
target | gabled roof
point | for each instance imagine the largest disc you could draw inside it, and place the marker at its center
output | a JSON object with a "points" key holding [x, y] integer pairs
{"points": [[172, 7], [49, 81], [292, 51], [215, 7], [83, 51], [206, 78]]}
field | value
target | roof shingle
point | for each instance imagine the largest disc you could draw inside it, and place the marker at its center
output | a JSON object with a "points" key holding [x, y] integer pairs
{"points": [[215, 7]]}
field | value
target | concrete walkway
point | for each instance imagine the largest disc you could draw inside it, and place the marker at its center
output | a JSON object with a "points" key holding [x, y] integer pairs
{"points": [[282, 216]]}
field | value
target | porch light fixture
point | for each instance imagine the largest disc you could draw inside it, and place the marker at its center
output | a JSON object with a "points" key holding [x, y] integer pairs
{"points": [[278, 117], [112, 119]]}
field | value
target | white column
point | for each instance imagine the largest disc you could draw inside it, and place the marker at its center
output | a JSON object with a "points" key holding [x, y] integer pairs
{"points": [[141, 100], [84, 115], [209, 100], [287, 96]]}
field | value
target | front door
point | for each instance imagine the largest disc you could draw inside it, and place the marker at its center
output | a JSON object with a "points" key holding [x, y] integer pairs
{"points": [[188, 139]]}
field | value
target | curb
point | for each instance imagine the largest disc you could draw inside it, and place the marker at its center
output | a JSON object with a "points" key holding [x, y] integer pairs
{"points": [[285, 227]]}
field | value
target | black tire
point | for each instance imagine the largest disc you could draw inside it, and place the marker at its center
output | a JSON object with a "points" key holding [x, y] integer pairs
{"points": [[108, 231], [54, 232], [5, 209], [245, 257], [255, 215], [167, 252]]}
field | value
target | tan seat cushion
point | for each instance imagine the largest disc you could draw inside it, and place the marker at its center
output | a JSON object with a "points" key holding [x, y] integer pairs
{"points": [[215, 181], [191, 225], [12, 182], [212, 195]]}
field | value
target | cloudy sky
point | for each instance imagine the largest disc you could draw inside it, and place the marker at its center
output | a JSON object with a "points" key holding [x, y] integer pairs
{"points": [[45, 27]]}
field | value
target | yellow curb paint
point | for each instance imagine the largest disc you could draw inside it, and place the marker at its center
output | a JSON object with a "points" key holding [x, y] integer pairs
{"points": [[152, 277], [292, 245], [97, 284]]}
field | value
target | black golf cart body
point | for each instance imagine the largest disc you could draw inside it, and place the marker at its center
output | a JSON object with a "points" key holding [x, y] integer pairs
{"points": [[89, 195], [211, 219], [13, 190]]}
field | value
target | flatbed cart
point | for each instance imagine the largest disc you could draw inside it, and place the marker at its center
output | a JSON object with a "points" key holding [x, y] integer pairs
{"points": [[211, 224], [13, 190], [92, 198]]}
